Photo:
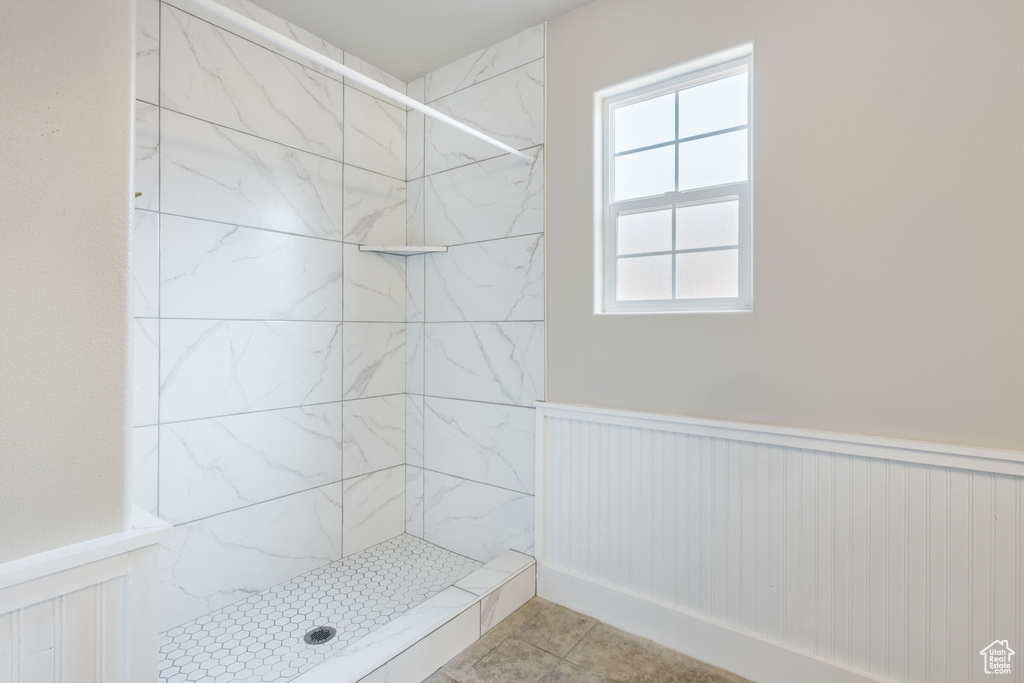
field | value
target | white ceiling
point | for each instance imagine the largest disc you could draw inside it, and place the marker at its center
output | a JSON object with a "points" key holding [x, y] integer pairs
{"points": [[408, 38]]}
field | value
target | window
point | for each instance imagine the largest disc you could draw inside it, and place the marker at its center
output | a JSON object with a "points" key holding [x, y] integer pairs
{"points": [[676, 228]]}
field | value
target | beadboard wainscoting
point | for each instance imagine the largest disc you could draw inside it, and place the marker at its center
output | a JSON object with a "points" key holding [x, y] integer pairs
{"points": [[85, 613], [783, 554]]}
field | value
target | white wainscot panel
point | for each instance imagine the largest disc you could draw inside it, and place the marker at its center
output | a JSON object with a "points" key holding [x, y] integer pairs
{"points": [[826, 556], [496, 362], [213, 270], [147, 156], [374, 434], [215, 75], [496, 280], [489, 443], [145, 372], [522, 48], [211, 172], [501, 197], [374, 359], [509, 107], [144, 468], [374, 134], [414, 358], [147, 50], [374, 509], [222, 368], [146, 264], [84, 613], [375, 211], [414, 501], [475, 520], [414, 430], [212, 466], [374, 286], [219, 560]]}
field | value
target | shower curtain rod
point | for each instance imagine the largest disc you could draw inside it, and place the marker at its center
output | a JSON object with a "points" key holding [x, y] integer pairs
{"points": [[298, 48]]}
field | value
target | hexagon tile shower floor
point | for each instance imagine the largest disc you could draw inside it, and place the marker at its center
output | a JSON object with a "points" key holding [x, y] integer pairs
{"points": [[261, 637]]}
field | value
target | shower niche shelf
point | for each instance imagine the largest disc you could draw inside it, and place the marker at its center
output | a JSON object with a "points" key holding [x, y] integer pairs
{"points": [[402, 250]]}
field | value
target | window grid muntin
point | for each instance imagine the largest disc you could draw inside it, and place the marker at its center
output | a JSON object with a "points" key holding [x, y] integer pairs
{"points": [[612, 209], [672, 207]]}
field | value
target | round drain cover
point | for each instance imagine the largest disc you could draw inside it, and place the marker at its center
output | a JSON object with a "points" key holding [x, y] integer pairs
{"points": [[321, 634]]}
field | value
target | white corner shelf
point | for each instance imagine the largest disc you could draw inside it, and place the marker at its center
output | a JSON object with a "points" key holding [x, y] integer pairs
{"points": [[401, 250]]}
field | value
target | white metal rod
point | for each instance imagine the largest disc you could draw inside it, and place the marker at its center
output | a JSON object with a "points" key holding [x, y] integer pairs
{"points": [[298, 48]]}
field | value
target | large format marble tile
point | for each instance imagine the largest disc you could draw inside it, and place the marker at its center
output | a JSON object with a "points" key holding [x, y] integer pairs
{"points": [[495, 362], [375, 211], [213, 368], [414, 227], [208, 171], [275, 23], [220, 560], [377, 74], [374, 434], [146, 264], [414, 357], [488, 443], [414, 501], [147, 50], [147, 156], [374, 359], [215, 270], [475, 520], [374, 286], [414, 144], [496, 280], [374, 509], [145, 372], [415, 281], [215, 75], [501, 197], [145, 443], [208, 467], [414, 430], [374, 134], [508, 107], [522, 48]]}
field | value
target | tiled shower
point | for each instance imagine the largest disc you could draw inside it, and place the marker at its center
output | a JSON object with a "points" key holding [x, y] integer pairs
{"points": [[297, 400]]}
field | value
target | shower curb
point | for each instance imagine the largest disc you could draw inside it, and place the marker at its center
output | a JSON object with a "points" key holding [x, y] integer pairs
{"points": [[420, 641]]}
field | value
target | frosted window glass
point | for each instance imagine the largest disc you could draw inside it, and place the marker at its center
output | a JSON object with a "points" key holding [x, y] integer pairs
{"points": [[713, 106], [643, 232], [707, 274], [645, 173], [708, 225], [645, 123], [645, 278], [715, 160]]}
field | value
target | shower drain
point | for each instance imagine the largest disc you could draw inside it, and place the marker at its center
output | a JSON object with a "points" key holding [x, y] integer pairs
{"points": [[320, 635]]}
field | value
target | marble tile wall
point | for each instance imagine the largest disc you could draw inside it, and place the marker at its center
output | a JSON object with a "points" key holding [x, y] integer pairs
{"points": [[475, 315], [269, 352]]}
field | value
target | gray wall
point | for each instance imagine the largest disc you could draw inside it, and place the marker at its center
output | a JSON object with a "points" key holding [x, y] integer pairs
{"points": [[888, 220], [64, 202]]}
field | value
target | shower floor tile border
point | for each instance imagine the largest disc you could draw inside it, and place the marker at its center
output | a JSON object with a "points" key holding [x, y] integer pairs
{"points": [[261, 638]]}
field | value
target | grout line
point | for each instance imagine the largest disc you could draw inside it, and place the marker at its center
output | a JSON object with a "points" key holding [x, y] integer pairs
{"points": [[537, 145], [475, 83]]}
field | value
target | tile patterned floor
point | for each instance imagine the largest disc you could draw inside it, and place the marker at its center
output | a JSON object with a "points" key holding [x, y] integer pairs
{"points": [[260, 638], [546, 643]]}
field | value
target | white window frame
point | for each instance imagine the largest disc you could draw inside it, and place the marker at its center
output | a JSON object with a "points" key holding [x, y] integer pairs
{"points": [[687, 75]]}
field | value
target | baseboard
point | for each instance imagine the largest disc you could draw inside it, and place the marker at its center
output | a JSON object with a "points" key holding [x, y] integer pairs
{"points": [[748, 656]]}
